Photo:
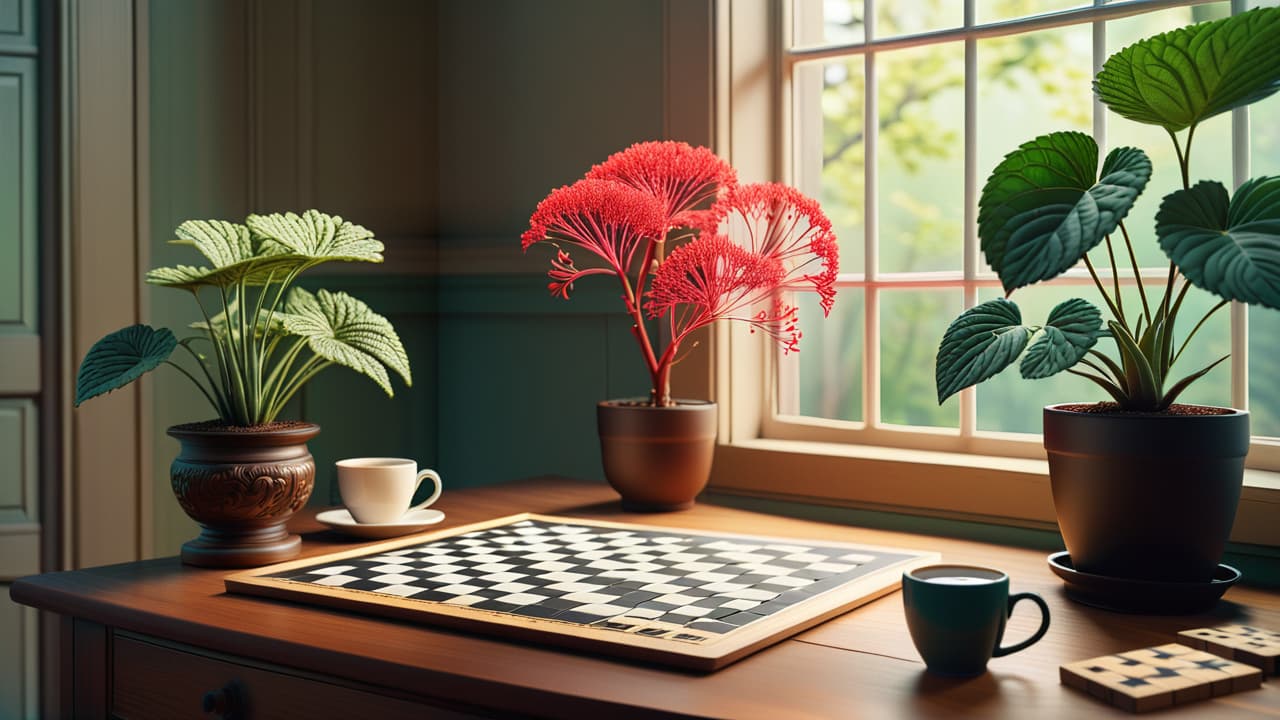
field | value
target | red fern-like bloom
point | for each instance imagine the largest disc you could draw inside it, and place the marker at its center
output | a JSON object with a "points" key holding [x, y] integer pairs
{"points": [[711, 278], [605, 217], [780, 222], [681, 175]]}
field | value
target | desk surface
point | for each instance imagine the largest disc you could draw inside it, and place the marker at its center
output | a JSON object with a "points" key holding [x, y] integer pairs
{"points": [[861, 664]]}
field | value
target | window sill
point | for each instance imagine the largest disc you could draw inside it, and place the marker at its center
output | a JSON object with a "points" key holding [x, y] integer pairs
{"points": [[957, 486]]}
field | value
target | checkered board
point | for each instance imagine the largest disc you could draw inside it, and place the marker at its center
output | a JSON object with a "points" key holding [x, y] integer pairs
{"points": [[692, 599], [1242, 643], [1157, 677]]}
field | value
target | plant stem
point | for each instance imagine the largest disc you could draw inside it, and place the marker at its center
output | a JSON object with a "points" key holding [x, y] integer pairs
{"points": [[1133, 260], [1115, 311], [220, 406], [241, 407], [1115, 280], [220, 355], [197, 383], [659, 394], [1187, 341], [296, 384]]}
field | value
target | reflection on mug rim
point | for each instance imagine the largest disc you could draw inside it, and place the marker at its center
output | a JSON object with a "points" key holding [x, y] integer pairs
{"points": [[375, 462], [1001, 575]]}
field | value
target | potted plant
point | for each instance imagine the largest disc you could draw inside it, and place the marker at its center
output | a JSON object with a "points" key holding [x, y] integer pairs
{"points": [[243, 474], [1145, 488], [643, 213]]}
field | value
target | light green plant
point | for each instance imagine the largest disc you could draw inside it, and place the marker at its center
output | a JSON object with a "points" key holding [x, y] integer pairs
{"points": [[1046, 205], [269, 338]]}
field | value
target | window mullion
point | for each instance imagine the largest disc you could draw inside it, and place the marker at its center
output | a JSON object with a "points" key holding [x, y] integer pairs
{"points": [[969, 397], [871, 228], [1240, 169]]}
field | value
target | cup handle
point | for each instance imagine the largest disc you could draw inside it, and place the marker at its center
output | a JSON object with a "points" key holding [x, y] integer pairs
{"points": [[1044, 623], [435, 479]]}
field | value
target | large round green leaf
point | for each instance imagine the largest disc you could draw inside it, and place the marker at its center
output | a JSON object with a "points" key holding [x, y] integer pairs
{"points": [[1179, 78], [122, 357], [1072, 328], [1042, 209], [1229, 247], [980, 343], [317, 236], [344, 330]]}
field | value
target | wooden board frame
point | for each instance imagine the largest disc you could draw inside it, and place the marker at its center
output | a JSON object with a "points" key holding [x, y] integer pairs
{"points": [[706, 657]]}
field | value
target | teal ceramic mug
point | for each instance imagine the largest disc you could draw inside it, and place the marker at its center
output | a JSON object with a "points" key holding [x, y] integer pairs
{"points": [[957, 613]]}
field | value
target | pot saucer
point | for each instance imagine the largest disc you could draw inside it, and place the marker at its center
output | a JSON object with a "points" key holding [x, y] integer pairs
{"points": [[1141, 596], [412, 522]]}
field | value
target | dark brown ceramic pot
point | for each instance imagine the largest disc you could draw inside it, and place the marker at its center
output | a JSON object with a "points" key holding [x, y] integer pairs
{"points": [[242, 486], [1146, 496], [657, 458]]}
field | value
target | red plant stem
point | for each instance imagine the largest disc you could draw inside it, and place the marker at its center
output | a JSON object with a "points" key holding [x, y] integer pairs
{"points": [[659, 370]]}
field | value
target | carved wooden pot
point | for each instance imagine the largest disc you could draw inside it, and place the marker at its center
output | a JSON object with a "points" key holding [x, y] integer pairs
{"points": [[657, 458], [242, 486]]}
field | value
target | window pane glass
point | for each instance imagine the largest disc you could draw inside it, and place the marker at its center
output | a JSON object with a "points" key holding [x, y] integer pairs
{"points": [[921, 158], [1264, 371], [1210, 151], [992, 10], [1044, 77], [831, 356], [911, 326], [842, 183], [895, 17], [823, 22], [1264, 324]]}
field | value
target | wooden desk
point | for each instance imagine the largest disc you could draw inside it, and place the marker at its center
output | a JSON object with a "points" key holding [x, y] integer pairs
{"points": [[149, 639]]}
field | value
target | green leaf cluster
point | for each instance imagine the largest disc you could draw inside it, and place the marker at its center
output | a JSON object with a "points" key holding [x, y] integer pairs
{"points": [[267, 338], [1047, 205]]}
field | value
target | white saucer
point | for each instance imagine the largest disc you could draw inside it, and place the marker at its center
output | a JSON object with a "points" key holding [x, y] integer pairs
{"points": [[412, 522]]}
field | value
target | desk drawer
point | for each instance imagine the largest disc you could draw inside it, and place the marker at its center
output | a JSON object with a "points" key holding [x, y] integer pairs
{"points": [[149, 680]]}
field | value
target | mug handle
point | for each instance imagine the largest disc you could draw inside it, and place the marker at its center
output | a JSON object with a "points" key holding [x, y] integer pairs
{"points": [[1044, 623], [435, 479]]}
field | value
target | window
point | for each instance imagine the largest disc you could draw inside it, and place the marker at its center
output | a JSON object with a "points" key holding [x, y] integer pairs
{"points": [[952, 86], [892, 113]]}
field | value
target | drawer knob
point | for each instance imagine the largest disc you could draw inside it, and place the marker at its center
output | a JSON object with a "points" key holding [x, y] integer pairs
{"points": [[225, 703]]}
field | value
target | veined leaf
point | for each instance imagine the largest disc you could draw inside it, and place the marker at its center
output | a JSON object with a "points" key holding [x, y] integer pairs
{"points": [[979, 344], [317, 236], [1072, 328], [1042, 209], [344, 330], [122, 357], [1179, 78], [1229, 247], [233, 253]]}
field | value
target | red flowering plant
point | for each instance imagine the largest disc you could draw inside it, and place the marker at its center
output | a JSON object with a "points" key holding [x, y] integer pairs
{"points": [[737, 248]]}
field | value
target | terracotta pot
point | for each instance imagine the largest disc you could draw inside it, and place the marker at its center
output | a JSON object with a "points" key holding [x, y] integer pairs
{"points": [[242, 486], [657, 458], [1148, 497]]}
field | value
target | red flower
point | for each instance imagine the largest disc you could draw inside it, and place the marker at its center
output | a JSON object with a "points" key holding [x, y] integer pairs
{"points": [[680, 175], [712, 278], [782, 223], [607, 218]]}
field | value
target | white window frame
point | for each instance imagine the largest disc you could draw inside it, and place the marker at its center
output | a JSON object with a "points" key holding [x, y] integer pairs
{"points": [[984, 476]]}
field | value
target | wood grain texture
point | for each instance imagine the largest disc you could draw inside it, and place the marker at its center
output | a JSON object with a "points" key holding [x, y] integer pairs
{"points": [[861, 664]]}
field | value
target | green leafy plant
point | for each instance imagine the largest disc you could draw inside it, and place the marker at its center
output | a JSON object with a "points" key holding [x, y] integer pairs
{"points": [[1047, 205], [269, 337]]}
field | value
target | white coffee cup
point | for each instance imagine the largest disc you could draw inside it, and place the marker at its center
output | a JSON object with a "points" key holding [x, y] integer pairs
{"points": [[379, 490]]}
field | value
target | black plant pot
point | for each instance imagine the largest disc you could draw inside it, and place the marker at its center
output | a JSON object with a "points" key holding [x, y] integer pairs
{"points": [[1146, 496]]}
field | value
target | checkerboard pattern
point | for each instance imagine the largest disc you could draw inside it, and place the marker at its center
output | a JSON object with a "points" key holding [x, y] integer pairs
{"points": [[1243, 643], [1157, 677], [663, 584]]}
